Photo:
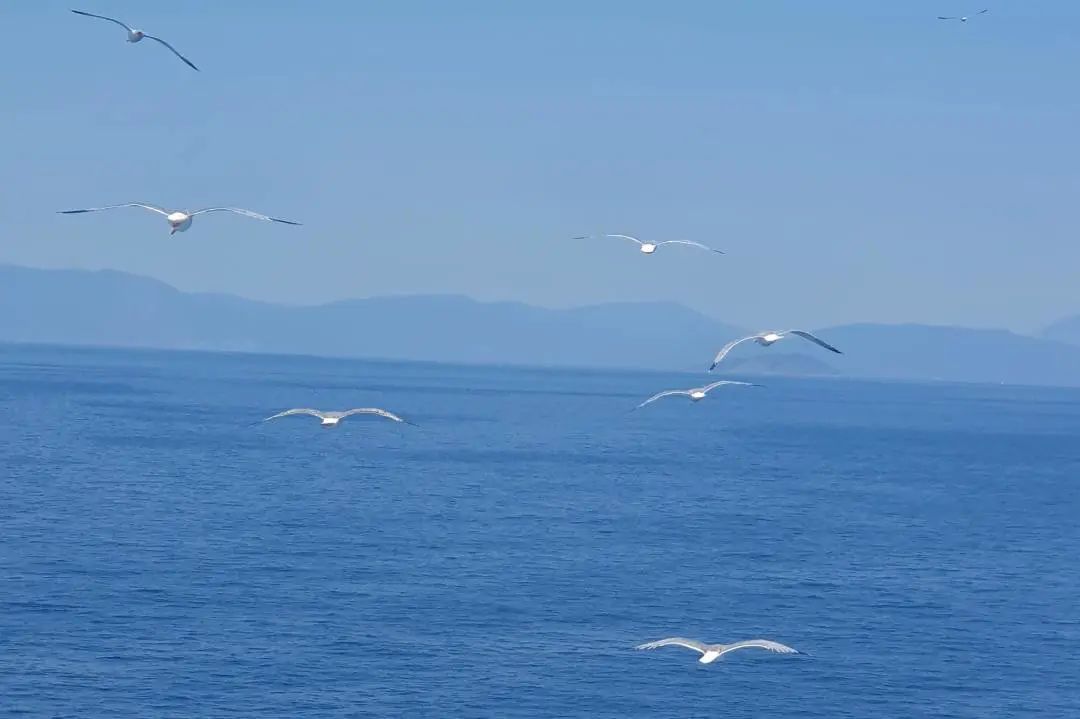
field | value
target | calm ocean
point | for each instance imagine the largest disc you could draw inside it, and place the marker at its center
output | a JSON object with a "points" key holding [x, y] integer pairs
{"points": [[160, 556]]}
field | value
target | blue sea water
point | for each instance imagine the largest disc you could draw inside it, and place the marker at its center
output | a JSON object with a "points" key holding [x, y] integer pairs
{"points": [[161, 556]]}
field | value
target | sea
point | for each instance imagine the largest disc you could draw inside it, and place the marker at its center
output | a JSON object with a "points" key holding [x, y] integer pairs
{"points": [[163, 553]]}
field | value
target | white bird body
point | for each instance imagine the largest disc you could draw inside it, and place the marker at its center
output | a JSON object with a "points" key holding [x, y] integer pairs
{"points": [[769, 338], [711, 652], [709, 657], [332, 419], [178, 220], [766, 339], [135, 35], [696, 394], [648, 248]]}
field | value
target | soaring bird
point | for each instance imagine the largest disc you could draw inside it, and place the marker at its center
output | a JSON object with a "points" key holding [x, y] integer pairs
{"points": [[134, 35], [650, 247], [180, 221], [331, 419], [769, 338], [961, 18], [695, 393], [711, 652]]}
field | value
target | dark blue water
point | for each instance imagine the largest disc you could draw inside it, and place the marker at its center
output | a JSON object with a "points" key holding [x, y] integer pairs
{"points": [[159, 556]]}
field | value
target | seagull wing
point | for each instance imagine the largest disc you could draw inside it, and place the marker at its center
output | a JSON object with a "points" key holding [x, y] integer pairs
{"points": [[675, 642], [951, 17], [727, 348], [661, 395], [759, 644], [692, 244], [102, 17], [376, 411], [189, 63], [625, 237], [246, 213], [815, 340], [289, 412], [714, 385], [983, 12], [152, 208]]}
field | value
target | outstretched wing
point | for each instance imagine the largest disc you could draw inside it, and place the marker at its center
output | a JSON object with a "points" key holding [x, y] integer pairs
{"points": [[727, 348], [625, 237], [692, 244], [815, 340], [675, 642], [152, 208], [102, 17], [661, 395], [759, 644], [189, 63], [289, 412], [245, 213], [376, 411], [983, 12], [714, 385], [951, 17]]}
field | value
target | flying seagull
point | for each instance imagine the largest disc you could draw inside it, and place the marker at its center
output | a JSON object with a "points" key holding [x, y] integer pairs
{"points": [[650, 247], [134, 35], [768, 338], [961, 18], [331, 419], [180, 221], [711, 652], [695, 393]]}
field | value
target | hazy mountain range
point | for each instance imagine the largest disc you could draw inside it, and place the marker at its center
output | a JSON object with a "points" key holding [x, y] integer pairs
{"points": [[117, 309]]}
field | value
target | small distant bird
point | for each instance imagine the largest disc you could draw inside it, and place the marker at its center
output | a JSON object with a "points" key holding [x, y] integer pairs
{"points": [[711, 652], [180, 221], [961, 18], [696, 394], [650, 247], [136, 35], [331, 419], [768, 338]]}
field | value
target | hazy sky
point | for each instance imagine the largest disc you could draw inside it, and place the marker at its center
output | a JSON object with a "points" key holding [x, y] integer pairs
{"points": [[857, 160]]}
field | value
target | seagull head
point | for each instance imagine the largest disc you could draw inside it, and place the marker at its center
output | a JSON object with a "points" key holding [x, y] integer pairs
{"points": [[135, 35]]}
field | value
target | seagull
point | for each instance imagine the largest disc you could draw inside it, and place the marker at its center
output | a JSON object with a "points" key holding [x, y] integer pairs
{"points": [[962, 18], [134, 35], [180, 221], [711, 652], [768, 338], [650, 247], [695, 394], [331, 419]]}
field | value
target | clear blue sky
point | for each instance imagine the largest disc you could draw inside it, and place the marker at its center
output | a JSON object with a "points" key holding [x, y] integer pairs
{"points": [[857, 160]]}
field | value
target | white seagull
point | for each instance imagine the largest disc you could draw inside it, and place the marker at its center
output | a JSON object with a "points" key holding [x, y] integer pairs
{"points": [[769, 338], [961, 18], [650, 247], [180, 221], [331, 419], [695, 394], [134, 35], [711, 652]]}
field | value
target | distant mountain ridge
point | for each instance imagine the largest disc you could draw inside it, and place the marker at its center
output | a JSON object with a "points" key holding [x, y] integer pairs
{"points": [[117, 309], [1065, 330]]}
